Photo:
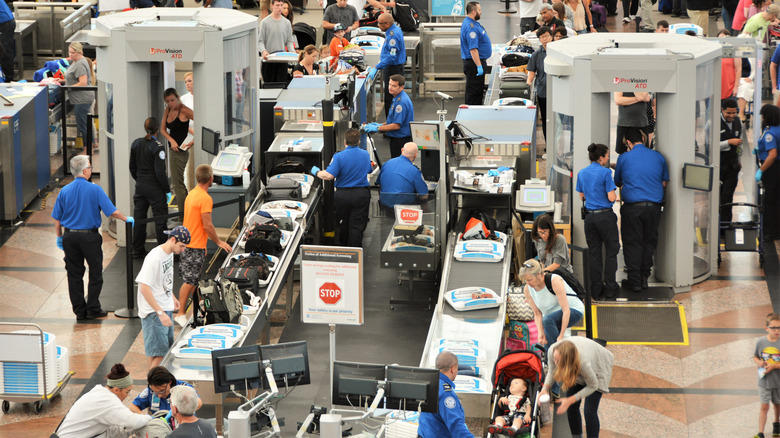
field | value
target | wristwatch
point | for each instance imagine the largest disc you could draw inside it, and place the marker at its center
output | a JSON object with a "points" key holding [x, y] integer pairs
{"points": [[159, 312]]}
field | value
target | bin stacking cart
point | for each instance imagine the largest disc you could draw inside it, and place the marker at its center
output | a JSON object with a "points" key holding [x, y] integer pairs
{"points": [[32, 368]]}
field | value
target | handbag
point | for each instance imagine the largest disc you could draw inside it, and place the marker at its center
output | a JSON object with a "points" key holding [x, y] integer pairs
{"points": [[517, 308]]}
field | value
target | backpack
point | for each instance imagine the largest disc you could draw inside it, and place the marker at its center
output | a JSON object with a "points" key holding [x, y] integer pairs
{"points": [[599, 14], [247, 272], [221, 302], [288, 165], [480, 226], [264, 238], [406, 16], [569, 278]]}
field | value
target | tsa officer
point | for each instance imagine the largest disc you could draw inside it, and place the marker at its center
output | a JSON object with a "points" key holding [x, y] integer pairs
{"points": [[401, 181], [450, 421], [350, 169], [642, 173], [730, 151], [475, 49], [767, 172], [401, 113], [597, 191], [77, 223], [392, 57]]}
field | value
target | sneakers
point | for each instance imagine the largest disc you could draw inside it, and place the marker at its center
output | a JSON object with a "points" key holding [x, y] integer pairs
{"points": [[776, 429], [626, 20], [495, 428], [759, 435], [181, 320], [509, 431]]}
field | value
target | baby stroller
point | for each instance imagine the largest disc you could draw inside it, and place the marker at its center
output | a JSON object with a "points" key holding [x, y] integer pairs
{"points": [[529, 366]]}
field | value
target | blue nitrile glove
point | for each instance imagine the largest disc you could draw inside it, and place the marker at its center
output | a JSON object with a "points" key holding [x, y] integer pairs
{"points": [[130, 220], [492, 172], [503, 169], [168, 197], [371, 73], [59, 242], [480, 71], [755, 150], [371, 127], [758, 174], [315, 170]]}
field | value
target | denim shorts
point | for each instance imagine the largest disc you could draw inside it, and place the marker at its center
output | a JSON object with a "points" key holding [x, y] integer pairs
{"points": [[157, 338], [191, 263]]}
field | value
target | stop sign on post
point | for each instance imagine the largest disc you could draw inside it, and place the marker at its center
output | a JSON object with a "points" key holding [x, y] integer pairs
{"points": [[330, 293]]}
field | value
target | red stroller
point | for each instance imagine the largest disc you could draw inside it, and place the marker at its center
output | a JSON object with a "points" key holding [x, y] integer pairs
{"points": [[524, 364]]}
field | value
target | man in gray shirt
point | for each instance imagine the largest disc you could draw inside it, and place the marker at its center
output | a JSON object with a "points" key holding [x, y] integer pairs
{"points": [[342, 13], [275, 35], [184, 402]]}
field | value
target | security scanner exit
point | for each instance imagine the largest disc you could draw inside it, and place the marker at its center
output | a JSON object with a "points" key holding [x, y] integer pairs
{"points": [[230, 163], [683, 74]]}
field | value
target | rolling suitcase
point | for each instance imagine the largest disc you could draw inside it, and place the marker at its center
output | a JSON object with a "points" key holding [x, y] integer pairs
{"points": [[515, 88]]}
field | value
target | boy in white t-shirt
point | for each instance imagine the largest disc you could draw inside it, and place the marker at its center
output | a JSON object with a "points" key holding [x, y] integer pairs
{"points": [[156, 302]]}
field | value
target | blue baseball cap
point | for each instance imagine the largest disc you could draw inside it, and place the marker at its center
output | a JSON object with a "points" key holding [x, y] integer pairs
{"points": [[181, 233]]}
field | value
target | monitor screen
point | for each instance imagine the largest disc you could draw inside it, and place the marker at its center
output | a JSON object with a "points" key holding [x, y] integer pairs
{"points": [[412, 389], [210, 141], [355, 384], [426, 135], [289, 362], [227, 160], [697, 177], [236, 368], [536, 195]]}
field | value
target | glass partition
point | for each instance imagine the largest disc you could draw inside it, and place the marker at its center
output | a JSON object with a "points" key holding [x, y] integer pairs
{"points": [[702, 199], [109, 108], [562, 152], [237, 83]]}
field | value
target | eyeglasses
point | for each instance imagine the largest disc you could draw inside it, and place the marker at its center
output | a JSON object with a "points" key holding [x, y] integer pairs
{"points": [[528, 265], [773, 328], [543, 232]]}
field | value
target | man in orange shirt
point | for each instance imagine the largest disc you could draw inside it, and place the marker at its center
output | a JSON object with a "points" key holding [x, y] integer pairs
{"points": [[197, 219], [337, 44]]}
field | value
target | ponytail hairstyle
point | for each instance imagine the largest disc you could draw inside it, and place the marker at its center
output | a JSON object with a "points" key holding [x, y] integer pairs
{"points": [[568, 366], [151, 126], [596, 151], [308, 50]]}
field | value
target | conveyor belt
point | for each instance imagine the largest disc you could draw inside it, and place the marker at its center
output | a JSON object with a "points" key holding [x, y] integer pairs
{"points": [[485, 325]]}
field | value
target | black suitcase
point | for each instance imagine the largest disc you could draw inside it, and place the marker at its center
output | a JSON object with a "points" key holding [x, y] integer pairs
{"points": [[406, 16], [247, 4], [305, 33]]}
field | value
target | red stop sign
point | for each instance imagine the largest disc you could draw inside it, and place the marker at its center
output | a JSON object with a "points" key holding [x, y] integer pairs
{"points": [[330, 293]]}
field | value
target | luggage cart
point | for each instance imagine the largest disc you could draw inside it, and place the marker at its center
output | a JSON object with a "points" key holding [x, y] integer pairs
{"points": [[25, 346], [745, 236]]}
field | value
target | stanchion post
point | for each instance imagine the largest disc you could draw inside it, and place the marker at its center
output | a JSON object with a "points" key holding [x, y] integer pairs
{"points": [[129, 311]]}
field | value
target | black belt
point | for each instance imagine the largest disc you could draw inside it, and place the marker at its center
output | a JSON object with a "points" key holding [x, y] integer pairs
{"points": [[91, 230], [643, 204], [351, 188], [601, 210]]}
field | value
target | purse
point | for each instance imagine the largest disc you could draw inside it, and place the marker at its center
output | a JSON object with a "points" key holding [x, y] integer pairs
{"points": [[517, 308]]}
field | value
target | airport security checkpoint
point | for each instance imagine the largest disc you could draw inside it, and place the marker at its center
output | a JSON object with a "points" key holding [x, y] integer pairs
{"points": [[454, 248]]}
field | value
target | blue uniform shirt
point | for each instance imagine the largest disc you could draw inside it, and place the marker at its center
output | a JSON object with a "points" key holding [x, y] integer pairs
{"points": [[641, 172], [474, 36], [148, 399], [350, 167], [5, 13], [79, 204], [393, 50], [769, 140], [595, 181], [450, 421], [776, 60], [400, 175], [401, 112]]}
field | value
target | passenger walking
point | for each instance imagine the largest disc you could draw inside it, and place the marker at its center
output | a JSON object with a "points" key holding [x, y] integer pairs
{"points": [[597, 191], [767, 358], [175, 128]]}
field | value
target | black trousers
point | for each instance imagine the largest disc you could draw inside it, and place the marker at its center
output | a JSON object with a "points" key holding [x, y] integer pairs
{"points": [[729, 177], [275, 72], [639, 227], [601, 231], [79, 247], [386, 73], [352, 214], [541, 104], [475, 85], [9, 49], [149, 195], [630, 7], [771, 180], [396, 144]]}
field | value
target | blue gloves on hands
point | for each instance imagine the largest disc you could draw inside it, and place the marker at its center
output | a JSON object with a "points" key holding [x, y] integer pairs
{"points": [[755, 150], [59, 242], [758, 174], [371, 127], [480, 71], [130, 220], [315, 170], [503, 169], [168, 197], [492, 172], [371, 73]]}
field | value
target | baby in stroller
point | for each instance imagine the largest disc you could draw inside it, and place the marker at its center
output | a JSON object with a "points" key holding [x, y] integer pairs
{"points": [[517, 409]]}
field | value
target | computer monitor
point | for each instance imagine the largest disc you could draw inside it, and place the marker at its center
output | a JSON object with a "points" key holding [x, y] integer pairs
{"points": [[410, 388], [697, 177], [210, 141], [236, 368], [355, 384], [289, 362], [425, 134]]}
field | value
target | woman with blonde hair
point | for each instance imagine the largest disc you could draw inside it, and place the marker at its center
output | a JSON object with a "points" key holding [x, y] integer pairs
{"points": [[79, 74], [583, 368]]}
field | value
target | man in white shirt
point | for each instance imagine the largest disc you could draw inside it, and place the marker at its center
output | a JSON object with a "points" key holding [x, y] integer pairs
{"points": [[156, 302]]}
